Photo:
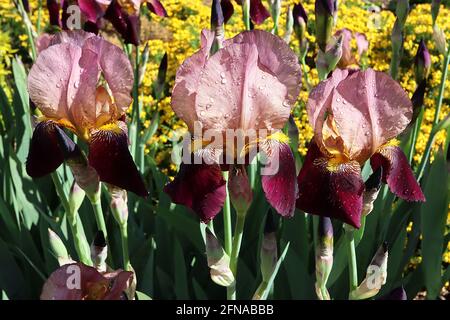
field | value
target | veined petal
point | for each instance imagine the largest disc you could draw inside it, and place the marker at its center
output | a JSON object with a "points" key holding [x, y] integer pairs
{"points": [[369, 109], [397, 173], [275, 57], [240, 99], [116, 69], [44, 155], [200, 187], [279, 179], [48, 80], [328, 190], [110, 157], [186, 81]]}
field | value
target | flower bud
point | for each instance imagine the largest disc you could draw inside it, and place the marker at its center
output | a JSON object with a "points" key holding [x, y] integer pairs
{"points": [[217, 22], [76, 197], [327, 61], [143, 63], [324, 11], [422, 62], [159, 85], [239, 188], [218, 261], [99, 251], [397, 36], [269, 251], [324, 257], [58, 249], [435, 5], [372, 188], [119, 204], [300, 27], [417, 100], [376, 275], [401, 11], [289, 25], [439, 40], [275, 10]]}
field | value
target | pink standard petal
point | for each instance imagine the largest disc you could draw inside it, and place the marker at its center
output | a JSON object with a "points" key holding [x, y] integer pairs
{"points": [[200, 187], [48, 80], [275, 57], [319, 102], [75, 37], [369, 109], [336, 194], [186, 81], [397, 173], [93, 9], [116, 69], [279, 184], [234, 93]]}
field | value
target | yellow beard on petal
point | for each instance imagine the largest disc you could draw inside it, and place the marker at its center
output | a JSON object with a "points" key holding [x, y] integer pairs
{"points": [[113, 127]]}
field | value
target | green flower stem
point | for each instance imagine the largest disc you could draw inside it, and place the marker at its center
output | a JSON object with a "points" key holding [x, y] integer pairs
{"points": [[414, 134], [72, 218], [237, 240], [246, 13], [60, 191], [352, 266], [124, 238], [227, 218], [426, 154], [98, 213], [28, 29], [80, 245]]}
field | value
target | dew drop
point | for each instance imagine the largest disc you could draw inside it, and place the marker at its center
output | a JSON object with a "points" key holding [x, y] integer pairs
{"points": [[338, 100], [202, 113], [367, 133], [222, 75], [58, 85], [76, 84], [286, 104], [223, 81]]}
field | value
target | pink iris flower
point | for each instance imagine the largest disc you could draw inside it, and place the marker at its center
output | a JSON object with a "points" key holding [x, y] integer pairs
{"points": [[82, 82], [355, 115], [250, 84], [348, 56], [76, 281]]}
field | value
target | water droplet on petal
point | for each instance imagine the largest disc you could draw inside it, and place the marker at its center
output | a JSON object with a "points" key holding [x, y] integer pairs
{"points": [[224, 81], [338, 100], [286, 104], [222, 75], [76, 84], [202, 113], [58, 85], [367, 133]]}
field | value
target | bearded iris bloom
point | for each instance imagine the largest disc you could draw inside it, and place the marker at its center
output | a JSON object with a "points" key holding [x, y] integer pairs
{"points": [[77, 281], [355, 116], [250, 84], [82, 82]]}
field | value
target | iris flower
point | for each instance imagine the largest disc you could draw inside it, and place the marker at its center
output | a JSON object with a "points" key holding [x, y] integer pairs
{"points": [[76, 281], [82, 82], [355, 116], [250, 84]]}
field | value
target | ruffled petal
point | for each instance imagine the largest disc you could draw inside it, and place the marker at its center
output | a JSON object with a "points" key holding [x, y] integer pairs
{"points": [[397, 173], [110, 157], [186, 81], [200, 187], [369, 109], [337, 193], [275, 57], [278, 179], [44, 155]]}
